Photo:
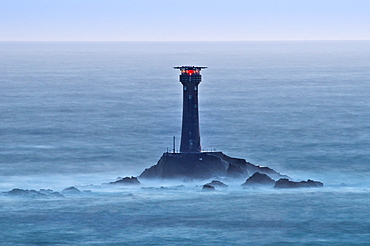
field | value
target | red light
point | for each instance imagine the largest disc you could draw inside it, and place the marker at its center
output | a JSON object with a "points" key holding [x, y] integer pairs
{"points": [[190, 72]]}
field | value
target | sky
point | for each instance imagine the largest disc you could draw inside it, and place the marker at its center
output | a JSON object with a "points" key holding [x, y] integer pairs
{"points": [[190, 20]]}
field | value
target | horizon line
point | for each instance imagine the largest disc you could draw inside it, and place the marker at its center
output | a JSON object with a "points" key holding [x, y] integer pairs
{"points": [[261, 40]]}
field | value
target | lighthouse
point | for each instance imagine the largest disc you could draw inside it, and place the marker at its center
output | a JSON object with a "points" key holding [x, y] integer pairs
{"points": [[191, 163], [190, 134]]}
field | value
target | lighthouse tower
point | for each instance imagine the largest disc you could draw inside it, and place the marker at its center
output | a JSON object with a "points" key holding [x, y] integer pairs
{"points": [[191, 163], [190, 135]]}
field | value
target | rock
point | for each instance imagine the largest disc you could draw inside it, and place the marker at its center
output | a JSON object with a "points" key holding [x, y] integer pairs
{"points": [[18, 192], [57, 194], [186, 166], [312, 183], [51, 193], [34, 194], [286, 183], [216, 183], [208, 187], [127, 181], [203, 165], [258, 180], [71, 190], [177, 187]]}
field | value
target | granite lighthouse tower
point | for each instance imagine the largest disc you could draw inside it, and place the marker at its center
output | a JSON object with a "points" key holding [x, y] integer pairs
{"points": [[191, 163], [190, 135]]}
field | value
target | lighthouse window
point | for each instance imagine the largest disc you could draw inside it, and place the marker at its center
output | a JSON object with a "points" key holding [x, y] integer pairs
{"points": [[195, 88], [190, 96], [185, 88], [195, 106]]}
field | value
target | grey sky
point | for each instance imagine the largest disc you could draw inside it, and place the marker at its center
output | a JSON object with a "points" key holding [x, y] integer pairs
{"points": [[191, 20]]}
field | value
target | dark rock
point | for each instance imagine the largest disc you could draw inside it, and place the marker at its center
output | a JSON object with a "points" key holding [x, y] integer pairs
{"points": [[51, 193], [286, 183], [127, 181], [177, 187], [208, 187], [216, 183], [18, 192], [312, 183], [203, 165], [71, 190], [46, 191], [259, 179], [235, 172], [186, 166], [56, 194], [34, 194]]}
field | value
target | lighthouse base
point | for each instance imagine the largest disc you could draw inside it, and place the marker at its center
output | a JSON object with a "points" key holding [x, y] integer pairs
{"points": [[202, 166]]}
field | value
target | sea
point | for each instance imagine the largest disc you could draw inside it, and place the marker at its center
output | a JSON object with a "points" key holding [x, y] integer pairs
{"points": [[83, 114]]}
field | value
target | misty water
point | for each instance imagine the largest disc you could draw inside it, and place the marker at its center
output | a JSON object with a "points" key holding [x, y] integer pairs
{"points": [[83, 114]]}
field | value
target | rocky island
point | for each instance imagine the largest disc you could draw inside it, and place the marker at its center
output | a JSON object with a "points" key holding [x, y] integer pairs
{"points": [[190, 163], [204, 165]]}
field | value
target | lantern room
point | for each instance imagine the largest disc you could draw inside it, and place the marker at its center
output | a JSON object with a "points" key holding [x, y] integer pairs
{"points": [[190, 74]]}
